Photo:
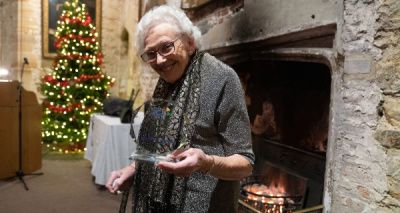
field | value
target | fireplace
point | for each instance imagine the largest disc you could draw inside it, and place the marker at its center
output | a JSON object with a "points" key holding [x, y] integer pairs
{"points": [[288, 103], [287, 82]]}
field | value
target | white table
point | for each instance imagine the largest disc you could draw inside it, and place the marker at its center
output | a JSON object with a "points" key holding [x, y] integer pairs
{"points": [[109, 145]]}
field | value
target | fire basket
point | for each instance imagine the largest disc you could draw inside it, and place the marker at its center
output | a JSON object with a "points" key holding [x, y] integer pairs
{"points": [[257, 197]]}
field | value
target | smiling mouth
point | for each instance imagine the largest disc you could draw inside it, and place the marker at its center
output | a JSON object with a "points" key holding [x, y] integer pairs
{"points": [[167, 67]]}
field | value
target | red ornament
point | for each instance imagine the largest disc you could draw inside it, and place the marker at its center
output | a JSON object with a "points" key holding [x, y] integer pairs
{"points": [[48, 78], [87, 21], [57, 44]]}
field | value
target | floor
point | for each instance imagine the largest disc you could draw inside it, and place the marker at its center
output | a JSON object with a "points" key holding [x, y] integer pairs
{"points": [[65, 186]]}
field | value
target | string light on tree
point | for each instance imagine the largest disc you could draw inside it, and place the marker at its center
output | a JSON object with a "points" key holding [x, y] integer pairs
{"points": [[77, 86]]}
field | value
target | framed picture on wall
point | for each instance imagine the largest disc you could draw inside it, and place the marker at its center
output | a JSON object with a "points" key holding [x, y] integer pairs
{"points": [[51, 11]]}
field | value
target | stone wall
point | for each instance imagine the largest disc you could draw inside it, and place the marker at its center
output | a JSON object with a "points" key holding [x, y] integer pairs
{"points": [[31, 45], [388, 78], [9, 57], [21, 38], [364, 175], [121, 60], [118, 26]]}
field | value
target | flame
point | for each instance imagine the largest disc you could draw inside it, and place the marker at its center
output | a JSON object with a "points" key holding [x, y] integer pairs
{"points": [[269, 199], [267, 195], [273, 191]]}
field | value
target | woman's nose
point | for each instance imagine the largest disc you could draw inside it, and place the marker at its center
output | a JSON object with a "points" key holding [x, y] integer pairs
{"points": [[160, 58]]}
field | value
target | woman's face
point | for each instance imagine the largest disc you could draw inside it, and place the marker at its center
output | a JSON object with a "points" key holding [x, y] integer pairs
{"points": [[170, 67]]}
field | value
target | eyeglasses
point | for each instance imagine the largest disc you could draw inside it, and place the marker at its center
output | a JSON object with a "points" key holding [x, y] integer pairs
{"points": [[166, 49]]}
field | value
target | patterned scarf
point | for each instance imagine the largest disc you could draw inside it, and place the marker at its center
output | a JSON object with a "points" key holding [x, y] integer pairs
{"points": [[168, 124]]}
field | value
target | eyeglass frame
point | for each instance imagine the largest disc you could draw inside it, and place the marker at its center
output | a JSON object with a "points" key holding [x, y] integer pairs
{"points": [[157, 51]]}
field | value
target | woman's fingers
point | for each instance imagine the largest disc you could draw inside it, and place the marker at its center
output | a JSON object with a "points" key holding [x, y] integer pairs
{"points": [[110, 185], [117, 179], [188, 162]]}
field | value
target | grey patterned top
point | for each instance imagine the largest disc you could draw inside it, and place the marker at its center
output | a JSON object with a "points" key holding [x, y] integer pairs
{"points": [[223, 129]]}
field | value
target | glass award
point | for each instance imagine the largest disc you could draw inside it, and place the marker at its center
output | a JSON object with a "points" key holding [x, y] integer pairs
{"points": [[150, 157], [153, 142]]}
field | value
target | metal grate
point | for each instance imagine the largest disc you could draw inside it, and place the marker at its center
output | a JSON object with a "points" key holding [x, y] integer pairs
{"points": [[255, 198]]}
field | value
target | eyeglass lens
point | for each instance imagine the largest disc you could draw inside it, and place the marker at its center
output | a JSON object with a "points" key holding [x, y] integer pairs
{"points": [[164, 50]]}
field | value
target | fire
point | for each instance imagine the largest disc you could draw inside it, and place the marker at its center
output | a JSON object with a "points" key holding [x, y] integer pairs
{"points": [[274, 191], [269, 195], [272, 198]]}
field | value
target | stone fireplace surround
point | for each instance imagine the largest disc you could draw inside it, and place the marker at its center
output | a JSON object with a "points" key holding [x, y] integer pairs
{"points": [[309, 48], [358, 41]]}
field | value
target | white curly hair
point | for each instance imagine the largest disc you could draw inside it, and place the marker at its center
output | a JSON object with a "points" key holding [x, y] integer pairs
{"points": [[165, 14]]}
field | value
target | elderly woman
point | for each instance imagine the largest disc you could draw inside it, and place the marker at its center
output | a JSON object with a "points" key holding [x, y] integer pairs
{"points": [[208, 115]]}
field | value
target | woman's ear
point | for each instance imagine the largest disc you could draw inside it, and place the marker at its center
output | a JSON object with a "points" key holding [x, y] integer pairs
{"points": [[191, 46]]}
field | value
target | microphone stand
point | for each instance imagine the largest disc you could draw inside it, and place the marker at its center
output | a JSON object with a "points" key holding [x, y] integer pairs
{"points": [[20, 173]]}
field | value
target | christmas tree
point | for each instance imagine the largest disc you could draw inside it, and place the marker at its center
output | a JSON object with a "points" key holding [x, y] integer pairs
{"points": [[76, 87]]}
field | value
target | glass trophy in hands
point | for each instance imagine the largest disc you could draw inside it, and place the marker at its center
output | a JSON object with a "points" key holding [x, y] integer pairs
{"points": [[155, 142]]}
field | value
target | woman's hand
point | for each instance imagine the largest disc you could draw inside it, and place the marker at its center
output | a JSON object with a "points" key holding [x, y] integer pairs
{"points": [[233, 167], [188, 161], [119, 179]]}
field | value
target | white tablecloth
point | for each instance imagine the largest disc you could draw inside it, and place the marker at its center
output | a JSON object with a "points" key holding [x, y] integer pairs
{"points": [[109, 145]]}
